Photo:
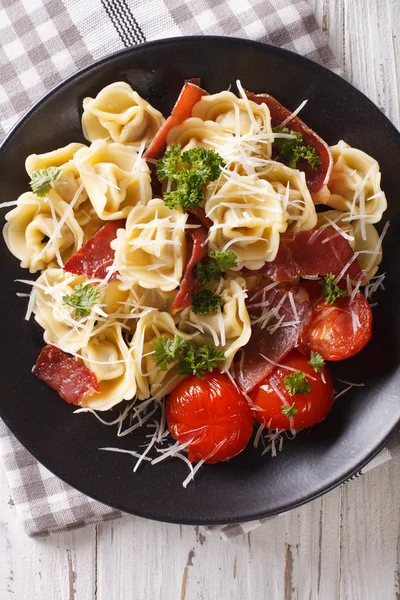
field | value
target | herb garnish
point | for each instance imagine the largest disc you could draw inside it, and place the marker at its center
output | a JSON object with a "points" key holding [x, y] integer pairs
{"points": [[296, 383], [289, 411], [192, 359], [293, 149], [83, 298], [41, 180], [206, 302], [316, 361], [218, 263], [330, 290], [204, 166]]}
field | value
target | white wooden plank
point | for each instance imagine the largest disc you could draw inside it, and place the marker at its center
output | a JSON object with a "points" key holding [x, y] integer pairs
{"points": [[369, 540], [293, 556], [60, 567]]}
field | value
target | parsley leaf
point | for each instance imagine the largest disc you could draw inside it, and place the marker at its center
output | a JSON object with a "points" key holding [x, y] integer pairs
{"points": [[192, 359], [207, 162], [289, 411], [167, 165], [218, 263], [189, 170], [199, 360], [296, 383], [83, 298], [316, 361], [330, 290], [167, 350], [293, 150], [206, 302], [41, 180]]}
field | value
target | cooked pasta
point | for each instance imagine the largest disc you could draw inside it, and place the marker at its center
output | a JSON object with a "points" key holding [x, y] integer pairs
{"points": [[121, 114], [229, 329], [150, 251], [296, 198], [355, 184], [248, 217], [33, 233], [115, 178]]}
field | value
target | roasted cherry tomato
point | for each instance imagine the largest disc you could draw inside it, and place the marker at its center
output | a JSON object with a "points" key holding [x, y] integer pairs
{"points": [[340, 330], [211, 412], [277, 408]]}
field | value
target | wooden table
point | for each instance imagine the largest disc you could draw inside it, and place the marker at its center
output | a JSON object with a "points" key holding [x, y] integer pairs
{"points": [[344, 546]]}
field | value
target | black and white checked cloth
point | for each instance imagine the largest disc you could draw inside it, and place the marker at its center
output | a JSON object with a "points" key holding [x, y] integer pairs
{"points": [[44, 41]]}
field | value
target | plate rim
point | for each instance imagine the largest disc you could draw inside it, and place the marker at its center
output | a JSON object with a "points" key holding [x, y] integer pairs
{"points": [[310, 64]]}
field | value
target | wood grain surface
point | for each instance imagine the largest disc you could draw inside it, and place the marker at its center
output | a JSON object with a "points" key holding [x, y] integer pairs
{"points": [[344, 546]]}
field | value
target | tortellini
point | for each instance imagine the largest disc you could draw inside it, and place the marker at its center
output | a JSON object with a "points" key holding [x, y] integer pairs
{"points": [[68, 183], [151, 250], [370, 248], [57, 319], [115, 178], [194, 132], [291, 185], [30, 232], [54, 316], [229, 329], [233, 114], [248, 218], [151, 380], [355, 184], [121, 114], [107, 356]]}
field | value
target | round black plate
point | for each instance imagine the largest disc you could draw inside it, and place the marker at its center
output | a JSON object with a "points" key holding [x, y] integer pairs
{"points": [[249, 486]]}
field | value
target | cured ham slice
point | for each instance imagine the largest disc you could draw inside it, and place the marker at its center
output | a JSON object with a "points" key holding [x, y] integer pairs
{"points": [[94, 258], [316, 178], [189, 96], [199, 250], [278, 317], [310, 253], [65, 375]]}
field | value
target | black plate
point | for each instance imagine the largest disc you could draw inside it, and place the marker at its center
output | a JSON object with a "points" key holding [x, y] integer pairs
{"points": [[250, 486]]}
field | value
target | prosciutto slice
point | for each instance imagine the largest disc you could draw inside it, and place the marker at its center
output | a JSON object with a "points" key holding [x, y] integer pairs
{"points": [[310, 253], [183, 297], [278, 317], [189, 96], [65, 375], [316, 178], [94, 258]]}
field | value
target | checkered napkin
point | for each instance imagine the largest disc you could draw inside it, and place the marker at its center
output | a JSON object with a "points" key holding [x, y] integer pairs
{"points": [[44, 41]]}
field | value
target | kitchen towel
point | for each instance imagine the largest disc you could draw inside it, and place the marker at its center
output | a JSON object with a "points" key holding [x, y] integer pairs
{"points": [[44, 41]]}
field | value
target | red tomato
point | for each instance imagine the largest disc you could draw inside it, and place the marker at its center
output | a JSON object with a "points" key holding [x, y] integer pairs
{"points": [[211, 412], [330, 331], [271, 396]]}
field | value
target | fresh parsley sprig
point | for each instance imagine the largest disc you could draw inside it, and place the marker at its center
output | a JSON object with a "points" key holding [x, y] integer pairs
{"points": [[316, 361], [292, 150], [192, 359], [189, 170], [296, 383], [82, 300], [41, 180], [199, 360], [218, 263], [167, 350], [289, 411], [330, 290], [206, 302]]}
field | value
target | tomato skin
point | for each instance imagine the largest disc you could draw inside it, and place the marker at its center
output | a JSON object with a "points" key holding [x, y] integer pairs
{"points": [[209, 410], [312, 407], [330, 331]]}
